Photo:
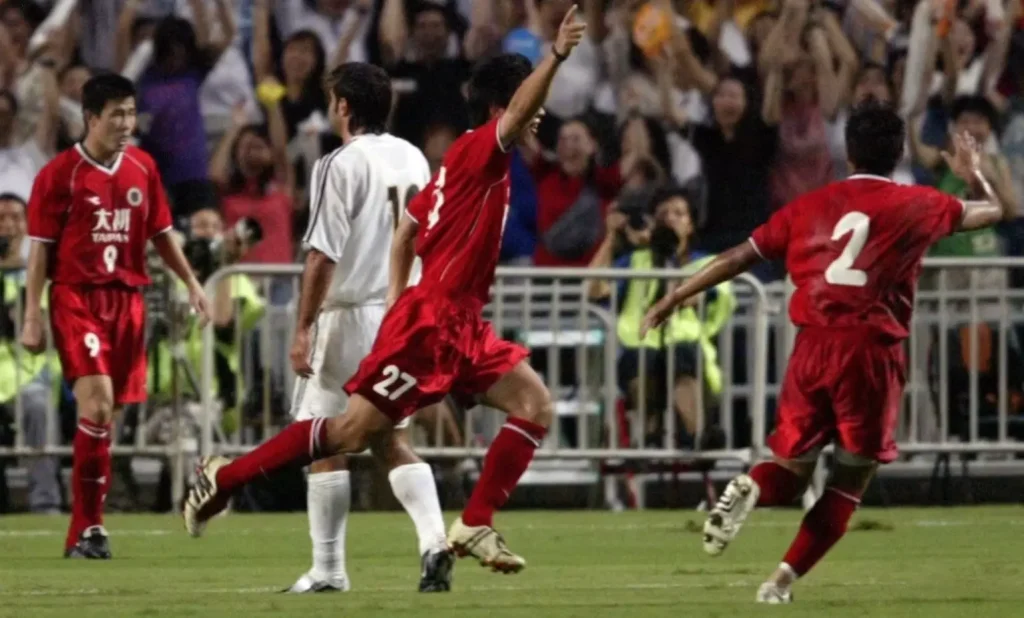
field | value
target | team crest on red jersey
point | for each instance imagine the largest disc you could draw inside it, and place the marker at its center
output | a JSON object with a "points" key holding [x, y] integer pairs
{"points": [[134, 196]]}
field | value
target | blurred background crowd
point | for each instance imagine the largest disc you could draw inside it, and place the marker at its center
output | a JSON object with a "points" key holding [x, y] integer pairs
{"points": [[673, 130]]}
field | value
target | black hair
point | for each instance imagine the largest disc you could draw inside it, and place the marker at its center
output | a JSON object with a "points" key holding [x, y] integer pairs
{"points": [[313, 86], [667, 192], [493, 83], [428, 7], [238, 181], [367, 90], [974, 104], [103, 89], [171, 33], [875, 135], [13, 197]]}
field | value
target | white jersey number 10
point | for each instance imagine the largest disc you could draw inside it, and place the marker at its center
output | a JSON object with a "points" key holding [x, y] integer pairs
{"points": [[841, 271], [400, 203]]}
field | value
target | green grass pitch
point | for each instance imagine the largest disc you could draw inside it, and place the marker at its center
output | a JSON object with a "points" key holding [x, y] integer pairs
{"points": [[963, 562]]}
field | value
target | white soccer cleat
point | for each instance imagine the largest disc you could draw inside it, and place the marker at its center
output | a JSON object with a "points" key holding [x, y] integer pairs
{"points": [[310, 584], [727, 517], [773, 595], [486, 545], [203, 500]]}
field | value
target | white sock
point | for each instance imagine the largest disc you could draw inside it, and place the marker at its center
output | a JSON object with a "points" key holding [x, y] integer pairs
{"points": [[329, 497], [414, 487]]}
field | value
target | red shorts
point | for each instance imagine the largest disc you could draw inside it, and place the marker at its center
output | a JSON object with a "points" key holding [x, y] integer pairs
{"points": [[843, 386], [429, 347], [101, 331]]}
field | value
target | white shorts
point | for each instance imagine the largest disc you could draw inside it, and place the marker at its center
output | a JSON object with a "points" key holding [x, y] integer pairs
{"points": [[341, 339]]}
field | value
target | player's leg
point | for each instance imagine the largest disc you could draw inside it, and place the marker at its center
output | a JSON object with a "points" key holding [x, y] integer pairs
{"points": [[804, 424], [522, 395], [412, 482], [328, 484], [866, 399], [301, 442], [82, 343], [822, 526], [90, 471]]}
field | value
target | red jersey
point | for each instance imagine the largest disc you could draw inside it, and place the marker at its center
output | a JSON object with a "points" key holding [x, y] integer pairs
{"points": [[99, 218], [462, 213], [854, 250]]}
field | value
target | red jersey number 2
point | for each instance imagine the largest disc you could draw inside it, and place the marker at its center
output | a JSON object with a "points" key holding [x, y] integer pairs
{"points": [[841, 270]]}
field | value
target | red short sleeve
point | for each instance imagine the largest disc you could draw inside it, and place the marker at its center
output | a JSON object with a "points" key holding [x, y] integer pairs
{"points": [[158, 219], [482, 152], [771, 238], [949, 213], [46, 207]]}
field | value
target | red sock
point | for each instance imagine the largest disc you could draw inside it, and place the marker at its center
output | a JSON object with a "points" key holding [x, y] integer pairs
{"points": [[301, 442], [506, 460], [779, 486], [90, 477], [821, 528]]}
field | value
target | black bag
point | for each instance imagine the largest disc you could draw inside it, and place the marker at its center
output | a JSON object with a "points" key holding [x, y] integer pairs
{"points": [[579, 229]]}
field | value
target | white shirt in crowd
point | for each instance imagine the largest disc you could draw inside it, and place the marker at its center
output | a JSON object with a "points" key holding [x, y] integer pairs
{"points": [[357, 194], [19, 166]]}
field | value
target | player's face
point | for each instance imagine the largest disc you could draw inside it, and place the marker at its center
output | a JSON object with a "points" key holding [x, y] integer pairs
{"points": [[116, 124], [206, 224], [574, 149], [872, 83], [729, 102], [975, 124], [12, 219], [675, 214]]}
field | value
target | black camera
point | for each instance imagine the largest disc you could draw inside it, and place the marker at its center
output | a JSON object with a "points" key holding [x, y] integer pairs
{"points": [[634, 204], [206, 255]]}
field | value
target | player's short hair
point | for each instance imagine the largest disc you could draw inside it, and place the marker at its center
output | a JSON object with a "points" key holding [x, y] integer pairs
{"points": [[875, 135], [367, 90], [102, 89], [974, 104], [493, 83], [13, 197]]}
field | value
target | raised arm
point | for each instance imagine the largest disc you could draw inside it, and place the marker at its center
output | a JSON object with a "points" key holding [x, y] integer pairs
{"points": [[724, 267], [533, 91], [965, 162]]}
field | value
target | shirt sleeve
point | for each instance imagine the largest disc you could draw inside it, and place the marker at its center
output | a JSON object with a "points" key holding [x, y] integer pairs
{"points": [[329, 220], [771, 238], [46, 208], [949, 213], [159, 219], [483, 152]]}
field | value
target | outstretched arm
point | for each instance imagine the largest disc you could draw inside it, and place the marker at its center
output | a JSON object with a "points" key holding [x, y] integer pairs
{"points": [[533, 91], [726, 266], [965, 162]]}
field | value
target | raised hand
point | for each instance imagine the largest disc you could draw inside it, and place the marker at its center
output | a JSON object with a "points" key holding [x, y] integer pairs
{"points": [[570, 33], [965, 161]]}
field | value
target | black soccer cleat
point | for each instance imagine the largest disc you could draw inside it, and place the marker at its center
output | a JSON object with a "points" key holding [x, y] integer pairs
{"points": [[93, 544], [436, 571]]}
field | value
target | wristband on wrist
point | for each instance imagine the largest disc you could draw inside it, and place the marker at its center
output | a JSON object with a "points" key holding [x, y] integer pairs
{"points": [[558, 56]]}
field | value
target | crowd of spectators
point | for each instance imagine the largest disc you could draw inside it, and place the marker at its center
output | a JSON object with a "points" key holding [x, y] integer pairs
{"points": [[740, 109]]}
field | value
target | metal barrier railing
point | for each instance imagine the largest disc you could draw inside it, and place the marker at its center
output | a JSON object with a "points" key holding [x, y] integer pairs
{"points": [[964, 394]]}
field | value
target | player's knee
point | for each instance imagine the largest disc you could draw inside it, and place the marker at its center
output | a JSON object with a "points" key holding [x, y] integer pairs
{"points": [[535, 406], [94, 401]]}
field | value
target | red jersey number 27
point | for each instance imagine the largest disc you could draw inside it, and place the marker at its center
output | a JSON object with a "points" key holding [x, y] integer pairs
{"points": [[841, 270]]}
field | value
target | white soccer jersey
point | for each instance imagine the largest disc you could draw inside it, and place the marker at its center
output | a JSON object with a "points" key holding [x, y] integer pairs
{"points": [[358, 194]]}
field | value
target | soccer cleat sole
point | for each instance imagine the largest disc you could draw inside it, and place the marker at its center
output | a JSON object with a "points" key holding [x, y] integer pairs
{"points": [[496, 566]]}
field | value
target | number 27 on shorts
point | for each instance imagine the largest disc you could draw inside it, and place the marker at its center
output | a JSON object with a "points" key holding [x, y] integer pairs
{"points": [[387, 387]]}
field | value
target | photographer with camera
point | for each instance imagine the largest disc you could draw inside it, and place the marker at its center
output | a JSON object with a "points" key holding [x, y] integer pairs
{"points": [[236, 305], [661, 236], [23, 375]]}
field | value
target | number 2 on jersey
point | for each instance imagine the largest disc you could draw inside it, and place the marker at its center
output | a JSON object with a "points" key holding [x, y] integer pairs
{"points": [[435, 212], [841, 270]]}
